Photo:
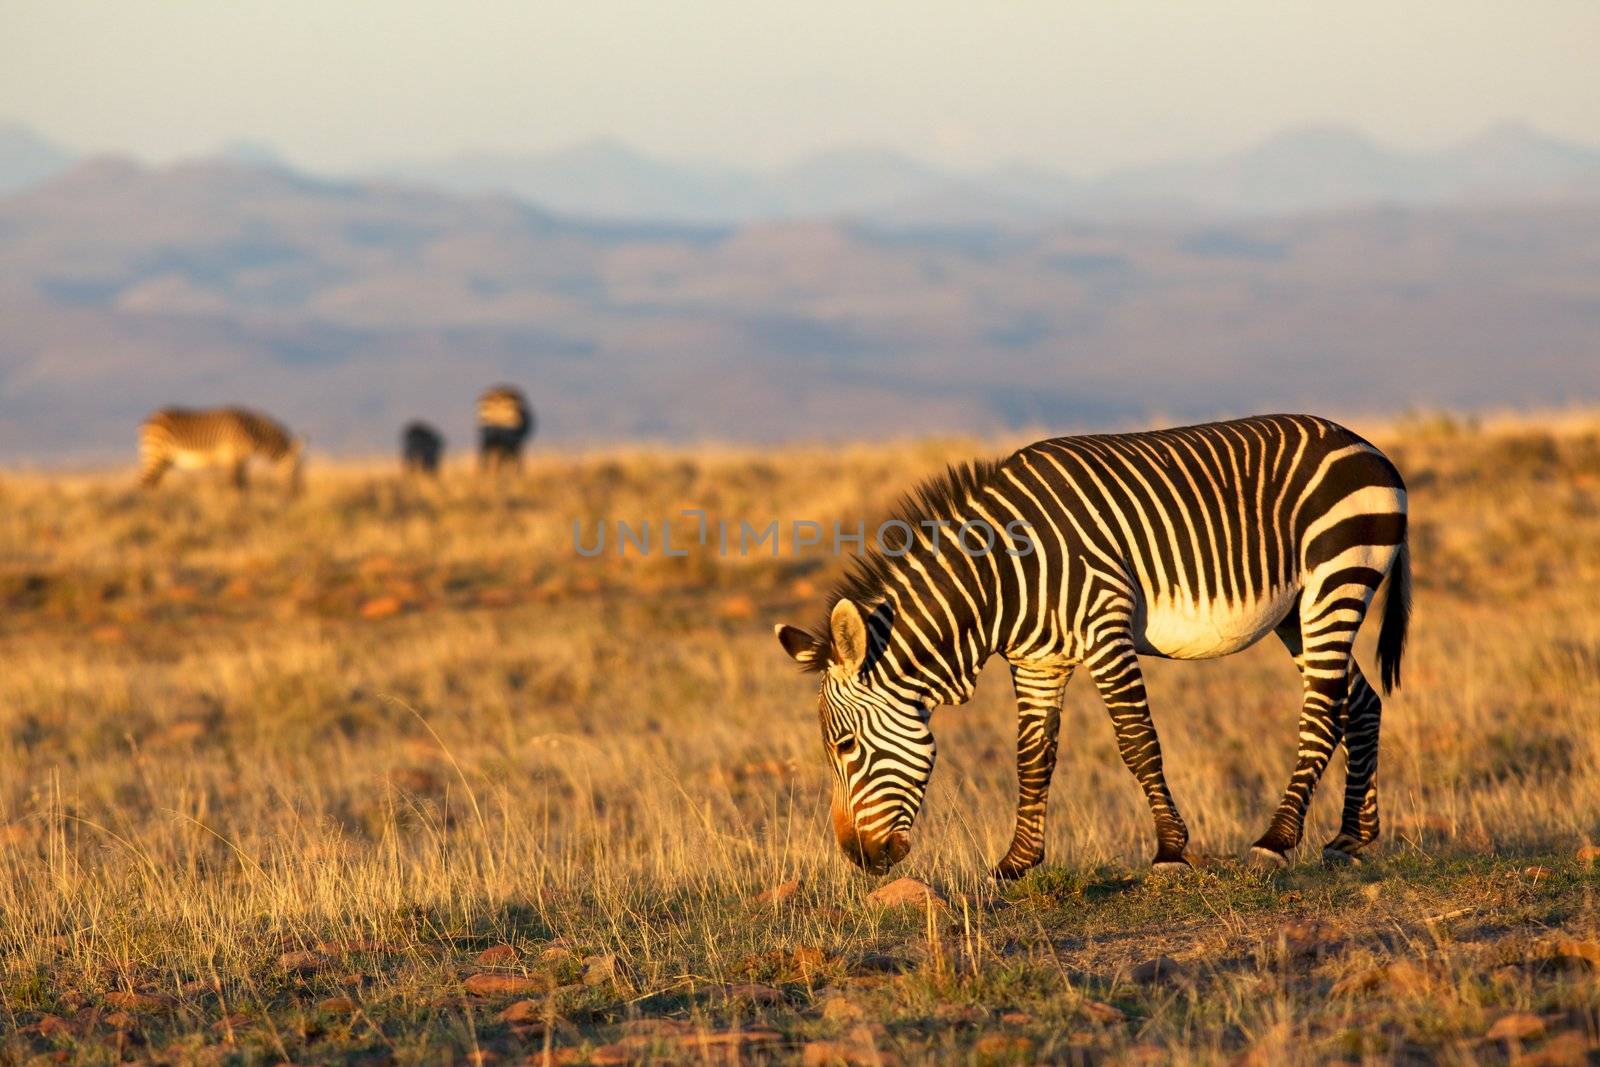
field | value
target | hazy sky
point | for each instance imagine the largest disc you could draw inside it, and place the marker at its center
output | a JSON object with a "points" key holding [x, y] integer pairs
{"points": [[340, 84]]}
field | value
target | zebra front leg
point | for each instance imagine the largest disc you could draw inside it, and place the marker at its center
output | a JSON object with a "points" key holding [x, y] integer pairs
{"points": [[1359, 826], [1039, 688], [1115, 667]]}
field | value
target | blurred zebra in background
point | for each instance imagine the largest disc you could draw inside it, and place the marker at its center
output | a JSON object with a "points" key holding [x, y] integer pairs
{"points": [[505, 422], [421, 448], [224, 438]]}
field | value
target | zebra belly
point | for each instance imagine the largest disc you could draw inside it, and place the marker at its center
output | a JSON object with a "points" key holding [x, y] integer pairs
{"points": [[194, 459], [1179, 629]]}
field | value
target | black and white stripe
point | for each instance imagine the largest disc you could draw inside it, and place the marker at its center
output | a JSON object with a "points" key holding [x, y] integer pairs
{"points": [[224, 438], [1188, 543]]}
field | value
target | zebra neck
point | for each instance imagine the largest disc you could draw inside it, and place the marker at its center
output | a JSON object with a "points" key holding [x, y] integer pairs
{"points": [[939, 635]]}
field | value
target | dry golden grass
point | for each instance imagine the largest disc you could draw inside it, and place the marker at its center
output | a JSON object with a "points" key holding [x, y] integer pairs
{"points": [[272, 775]]}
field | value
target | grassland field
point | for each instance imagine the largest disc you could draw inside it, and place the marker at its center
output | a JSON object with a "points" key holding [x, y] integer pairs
{"points": [[389, 773]]}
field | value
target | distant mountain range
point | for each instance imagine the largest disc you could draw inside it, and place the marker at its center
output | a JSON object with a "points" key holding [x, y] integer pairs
{"points": [[1318, 168], [1313, 168], [348, 307]]}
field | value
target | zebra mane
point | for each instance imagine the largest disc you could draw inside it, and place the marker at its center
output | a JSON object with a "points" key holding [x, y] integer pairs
{"points": [[942, 497]]}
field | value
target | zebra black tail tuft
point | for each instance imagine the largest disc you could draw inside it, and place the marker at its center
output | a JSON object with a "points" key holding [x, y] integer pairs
{"points": [[1396, 619]]}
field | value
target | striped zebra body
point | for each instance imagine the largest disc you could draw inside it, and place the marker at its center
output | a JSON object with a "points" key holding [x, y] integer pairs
{"points": [[225, 438], [505, 422], [1189, 543], [421, 448]]}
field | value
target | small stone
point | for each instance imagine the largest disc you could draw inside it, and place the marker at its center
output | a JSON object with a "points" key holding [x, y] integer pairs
{"points": [[337, 1006], [523, 1012], [52, 1026], [1305, 938], [1160, 969], [599, 970], [906, 893], [119, 1020], [1016, 1018], [1002, 1046], [130, 1001], [497, 956], [1517, 1026], [1569, 1049], [302, 962], [837, 1054], [1570, 950], [1536, 874], [841, 1009], [1588, 854], [808, 958], [505, 985], [1401, 977], [555, 954], [754, 993], [382, 607], [778, 894], [1105, 1014], [960, 1014]]}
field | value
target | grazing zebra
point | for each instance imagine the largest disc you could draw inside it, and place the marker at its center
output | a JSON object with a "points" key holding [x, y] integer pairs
{"points": [[1188, 543], [505, 422], [421, 448], [216, 437]]}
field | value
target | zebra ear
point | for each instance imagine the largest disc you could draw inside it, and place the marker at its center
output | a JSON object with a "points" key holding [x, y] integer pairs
{"points": [[849, 646], [800, 645]]}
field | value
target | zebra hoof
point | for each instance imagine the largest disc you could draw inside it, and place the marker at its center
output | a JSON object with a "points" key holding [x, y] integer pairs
{"points": [[1265, 859], [1333, 857], [1007, 873]]}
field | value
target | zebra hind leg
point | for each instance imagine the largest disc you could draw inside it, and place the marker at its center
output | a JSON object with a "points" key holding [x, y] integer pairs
{"points": [[1115, 667], [1039, 690], [1359, 826], [1323, 671]]}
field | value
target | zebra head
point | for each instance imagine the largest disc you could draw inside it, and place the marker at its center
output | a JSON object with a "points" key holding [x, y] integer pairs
{"points": [[875, 735]]}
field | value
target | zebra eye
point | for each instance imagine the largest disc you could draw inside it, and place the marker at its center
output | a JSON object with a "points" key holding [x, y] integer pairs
{"points": [[845, 745]]}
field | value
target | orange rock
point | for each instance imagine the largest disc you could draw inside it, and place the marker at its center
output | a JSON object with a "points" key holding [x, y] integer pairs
{"points": [[120, 1020], [802, 589], [738, 606], [1537, 874], [131, 1001], [414, 780], [1571, 949], [1569, 1049], [906, 893], [1517, 1026], [1016, 1018], [524, 1011], [754, 993], [779, 893], [1588, 854], [1160, 969], [382, 607], [337, 1006], [1002, 1046], [497, 956], [1105, 1014], [182, 732], [505, 985], [1401, 977], [302, 962], [52, 1026]]}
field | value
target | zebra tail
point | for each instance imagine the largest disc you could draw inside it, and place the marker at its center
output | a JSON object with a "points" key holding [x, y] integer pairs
{"points": [[1396, 619]]}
